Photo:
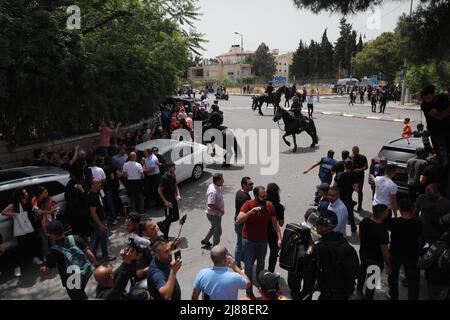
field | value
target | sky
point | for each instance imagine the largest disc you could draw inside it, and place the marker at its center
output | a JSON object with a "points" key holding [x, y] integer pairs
{"points": [[281, 25]]}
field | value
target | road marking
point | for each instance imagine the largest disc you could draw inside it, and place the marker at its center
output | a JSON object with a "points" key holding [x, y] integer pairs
{"points": [[373, 118], [348, 115]]}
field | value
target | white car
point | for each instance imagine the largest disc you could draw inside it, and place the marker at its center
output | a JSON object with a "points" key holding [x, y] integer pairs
{"points": [[53, 179], [187, 156]]}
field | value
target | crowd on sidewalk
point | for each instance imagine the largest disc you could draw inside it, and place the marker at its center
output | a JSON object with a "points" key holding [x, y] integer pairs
{"points": [[394, 234]]}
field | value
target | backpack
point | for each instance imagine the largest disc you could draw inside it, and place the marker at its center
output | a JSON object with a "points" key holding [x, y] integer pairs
{"points": [[74, 256], [340, 274]]}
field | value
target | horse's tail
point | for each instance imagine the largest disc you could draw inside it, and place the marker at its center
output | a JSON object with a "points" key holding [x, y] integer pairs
{"points": [[313, 129]]}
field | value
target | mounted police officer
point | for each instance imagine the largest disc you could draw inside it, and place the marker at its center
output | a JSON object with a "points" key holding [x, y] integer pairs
{"points": [[269, 90], [325, 171], [215, 118]]}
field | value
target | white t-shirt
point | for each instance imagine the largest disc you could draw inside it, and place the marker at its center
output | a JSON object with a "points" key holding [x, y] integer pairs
{"points": [[384, 189], [98, 173], [133, 170]]}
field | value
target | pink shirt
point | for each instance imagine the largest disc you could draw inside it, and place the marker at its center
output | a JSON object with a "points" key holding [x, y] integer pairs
{"points": [[105, 137]]}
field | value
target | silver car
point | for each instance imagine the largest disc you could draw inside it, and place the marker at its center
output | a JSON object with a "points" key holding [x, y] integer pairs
{"points": [[53, 179], [187, 156]]}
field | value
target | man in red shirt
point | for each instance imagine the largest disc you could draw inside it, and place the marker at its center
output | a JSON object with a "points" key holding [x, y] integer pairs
{"points": [[256, 215]]}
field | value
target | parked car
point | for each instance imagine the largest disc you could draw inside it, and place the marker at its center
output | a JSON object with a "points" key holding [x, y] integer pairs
{"points": [[187, 156], [398, 152], [53, 179]]}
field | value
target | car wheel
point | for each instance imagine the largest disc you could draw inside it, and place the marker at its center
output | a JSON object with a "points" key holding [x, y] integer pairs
{"points": [[197, 172]]}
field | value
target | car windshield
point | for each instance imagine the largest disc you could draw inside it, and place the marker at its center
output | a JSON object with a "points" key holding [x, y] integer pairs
{"points": [[397, 155]]}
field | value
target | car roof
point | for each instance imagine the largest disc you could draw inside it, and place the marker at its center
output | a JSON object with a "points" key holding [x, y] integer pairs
{"points": [[406, 143], [8, 176], [184, 99], [164, 145]]}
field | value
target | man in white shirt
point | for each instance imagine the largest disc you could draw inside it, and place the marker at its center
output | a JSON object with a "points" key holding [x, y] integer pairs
{"points": [[151, 180], [98, 173], [134, 173], [386, 190], [215, 209]]}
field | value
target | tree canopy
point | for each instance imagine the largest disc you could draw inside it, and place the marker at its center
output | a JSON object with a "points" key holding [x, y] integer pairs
{"points": [[55, 82], [381, 55], [424, 36], [263, 62]]}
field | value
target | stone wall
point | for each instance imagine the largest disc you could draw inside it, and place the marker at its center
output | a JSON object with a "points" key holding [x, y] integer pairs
{"points": [[14, 158]]}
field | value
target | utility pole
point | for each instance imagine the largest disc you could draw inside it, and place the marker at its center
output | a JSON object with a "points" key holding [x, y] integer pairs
{"points": [[241, 78], [405, 64]]}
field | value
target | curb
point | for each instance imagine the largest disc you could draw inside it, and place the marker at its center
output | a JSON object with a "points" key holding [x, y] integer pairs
{"points": [[349, 115]]}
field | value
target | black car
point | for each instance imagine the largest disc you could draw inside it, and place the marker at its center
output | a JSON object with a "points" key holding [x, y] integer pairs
{"points": [[398, 152]]}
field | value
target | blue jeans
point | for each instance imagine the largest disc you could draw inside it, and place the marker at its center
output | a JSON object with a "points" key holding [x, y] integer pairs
{"points": [[253, 251], [237, 252], [110, 205], [99, 238]]}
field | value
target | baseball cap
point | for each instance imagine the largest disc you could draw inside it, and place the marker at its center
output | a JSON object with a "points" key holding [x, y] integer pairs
{"points": [[323, 187], [134, 217], [269, 282]]}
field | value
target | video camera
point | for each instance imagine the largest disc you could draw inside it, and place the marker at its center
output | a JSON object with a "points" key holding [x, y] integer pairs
{"points": [[141, 245]]}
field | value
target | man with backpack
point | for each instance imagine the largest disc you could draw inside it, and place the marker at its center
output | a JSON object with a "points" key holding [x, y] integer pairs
{"points": [[71, 256], [337, 262]]}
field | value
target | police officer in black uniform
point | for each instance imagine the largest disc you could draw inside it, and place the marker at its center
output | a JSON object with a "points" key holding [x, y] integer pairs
{"points": [[215, 118], [337, 262], [269, 90]]}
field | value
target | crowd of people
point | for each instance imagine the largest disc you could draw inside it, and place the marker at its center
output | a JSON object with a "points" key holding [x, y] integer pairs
{"points": [[394, 235]]}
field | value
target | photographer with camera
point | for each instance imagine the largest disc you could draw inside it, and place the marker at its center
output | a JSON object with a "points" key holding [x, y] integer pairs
{"points": [[162, 274], [337, 262], [306, 269], [111, 286]]}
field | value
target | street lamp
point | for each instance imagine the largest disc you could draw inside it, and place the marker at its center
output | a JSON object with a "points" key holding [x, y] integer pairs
{"points": [[242, 57], [405, 65]]}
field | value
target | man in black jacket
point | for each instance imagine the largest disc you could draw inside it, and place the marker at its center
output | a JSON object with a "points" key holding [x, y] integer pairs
{"points": [[337, 261]]}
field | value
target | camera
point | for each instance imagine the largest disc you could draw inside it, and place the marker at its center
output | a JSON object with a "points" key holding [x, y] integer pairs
{"points": [[141, 245]]}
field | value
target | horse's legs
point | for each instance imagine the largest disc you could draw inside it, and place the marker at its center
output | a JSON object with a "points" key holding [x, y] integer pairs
{"points": [[294, 136], [313, 137], [259, 108], [285, 141]]}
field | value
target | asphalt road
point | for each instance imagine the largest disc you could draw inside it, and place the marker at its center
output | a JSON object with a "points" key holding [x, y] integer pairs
{"points": [[337, 133]]}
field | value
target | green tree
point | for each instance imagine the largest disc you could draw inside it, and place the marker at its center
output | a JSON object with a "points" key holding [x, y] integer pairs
{"points": [[326, 57], [125, 60], [343, 47], [418, 76], [263, 62], [379, 55], [424, 36]]}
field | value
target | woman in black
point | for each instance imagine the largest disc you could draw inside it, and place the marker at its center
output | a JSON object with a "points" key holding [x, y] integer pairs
{"points": [[273, 195], [76, 214]]}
